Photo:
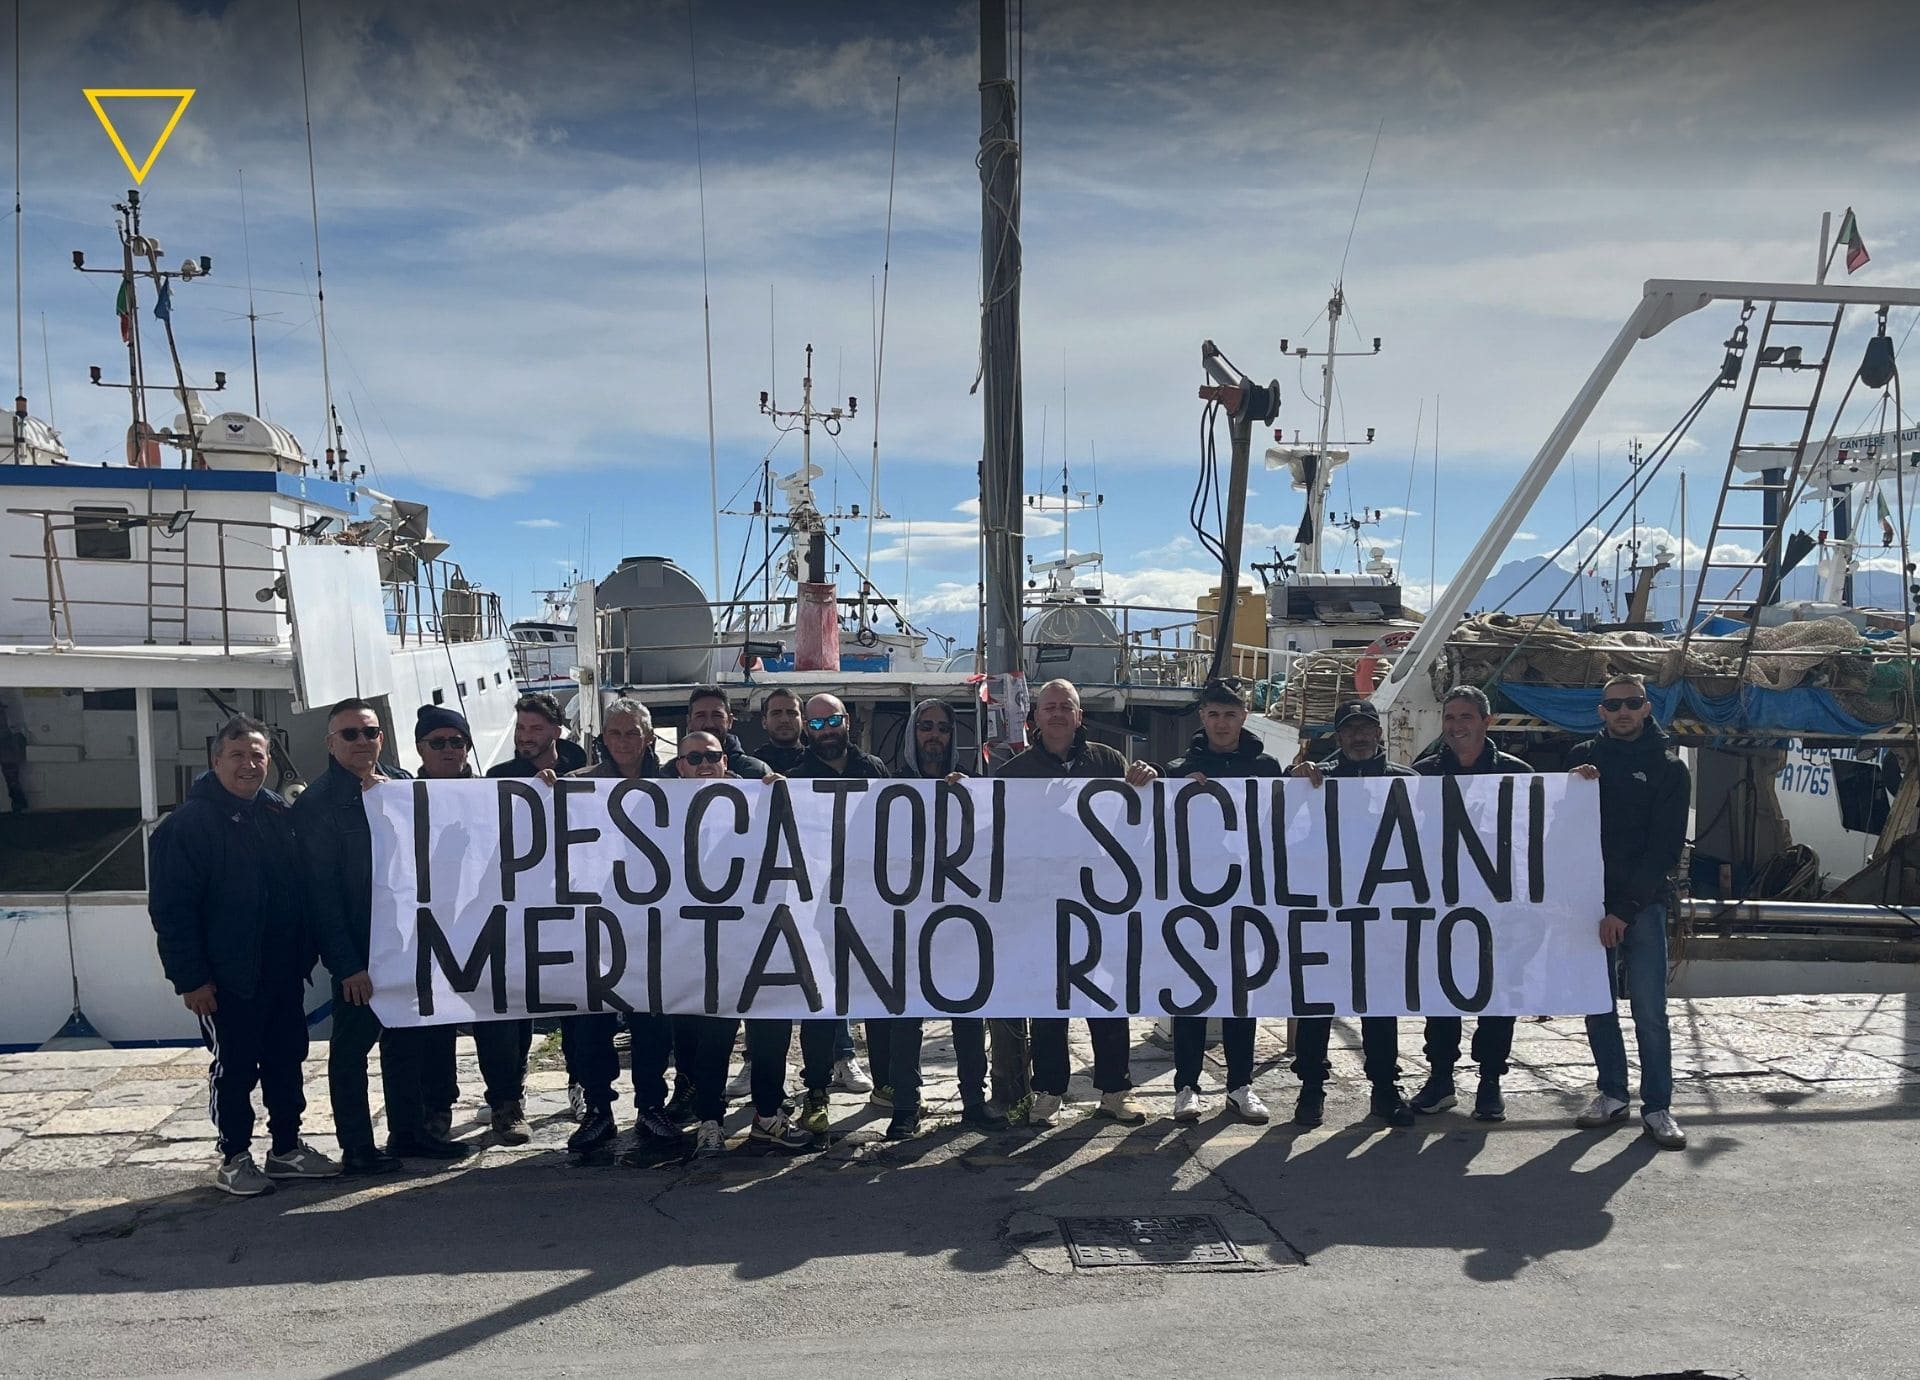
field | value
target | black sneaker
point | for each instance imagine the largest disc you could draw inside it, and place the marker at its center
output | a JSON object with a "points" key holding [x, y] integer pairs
{"points": [[982, 1117], [429, 1147], [904, 1124], [1390, 1107], [1310, 1108], [596, 1130], [1436, 1095], [654, 1127], [679, 1108], [1488, 1105], [367, 1160]]}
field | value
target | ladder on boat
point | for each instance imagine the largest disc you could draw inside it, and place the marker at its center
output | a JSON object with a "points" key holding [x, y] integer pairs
{"points": [[167, 576], [1764, 468]]}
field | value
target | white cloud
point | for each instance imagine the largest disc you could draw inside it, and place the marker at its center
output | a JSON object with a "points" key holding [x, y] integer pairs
{"points": [[537, 522]]}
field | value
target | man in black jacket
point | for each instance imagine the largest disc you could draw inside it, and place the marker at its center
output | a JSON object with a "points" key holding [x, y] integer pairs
{"points": [[1222, 748], [780, 717], [539, 740], [1356, 727], [224, 893], [330, 821], [710, 711], [1060, 748], [1465, 751], [1644, 793]]}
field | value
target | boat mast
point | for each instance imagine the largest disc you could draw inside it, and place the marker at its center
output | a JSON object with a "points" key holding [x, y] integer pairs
{"points": [[1002, 462], [1310, 553]]}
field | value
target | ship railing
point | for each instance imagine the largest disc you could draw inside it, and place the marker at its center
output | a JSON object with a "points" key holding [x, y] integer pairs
{"points": [[170, 604], [436, 603]]}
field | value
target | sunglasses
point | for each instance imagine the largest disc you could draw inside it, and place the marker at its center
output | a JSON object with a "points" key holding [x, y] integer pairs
{"points": [[446, 742], [354, 735], [1623, 702], [703, 759], [940, 726], [831, 721]]}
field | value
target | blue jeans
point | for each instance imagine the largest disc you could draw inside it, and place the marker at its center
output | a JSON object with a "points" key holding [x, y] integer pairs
{"points": [[1641, 960]]}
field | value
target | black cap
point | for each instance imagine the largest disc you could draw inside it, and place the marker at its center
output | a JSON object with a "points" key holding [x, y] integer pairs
{"points": [[1355, 709], [436, 716]]}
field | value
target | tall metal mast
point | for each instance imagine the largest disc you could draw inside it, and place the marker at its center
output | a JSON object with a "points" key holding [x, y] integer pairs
{"points": [[1002, 454]]}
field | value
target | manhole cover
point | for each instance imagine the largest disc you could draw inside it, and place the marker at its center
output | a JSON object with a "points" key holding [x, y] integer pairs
{"points": [[1193, 1240]]}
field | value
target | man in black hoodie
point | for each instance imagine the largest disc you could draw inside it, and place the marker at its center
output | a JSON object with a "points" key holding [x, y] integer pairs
{"points": [[1356, 727], [1465, 751], [1644, 792], [330, 821], [780, 717], [1222, 747], [710, 711], [225, 896]]}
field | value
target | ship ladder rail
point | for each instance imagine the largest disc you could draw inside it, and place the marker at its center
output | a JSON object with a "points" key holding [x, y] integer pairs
{"points": [[1784, 427]]}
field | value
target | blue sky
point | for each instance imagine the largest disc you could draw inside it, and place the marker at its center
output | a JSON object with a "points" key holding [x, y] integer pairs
{"points": [[510, 227]]}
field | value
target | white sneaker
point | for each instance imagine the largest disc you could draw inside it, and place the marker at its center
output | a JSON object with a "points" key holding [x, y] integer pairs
{"points": [[1245, 1103], [709, 1141], [1043, 1109], [1665, 1130], [1602, 1111], [241, 1177], [848, 1076], [301, 1162], [1189, 1106], [576, 1102]]}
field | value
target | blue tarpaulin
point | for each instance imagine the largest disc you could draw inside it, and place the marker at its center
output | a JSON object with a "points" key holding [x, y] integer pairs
{"points": [[1801, 711]]}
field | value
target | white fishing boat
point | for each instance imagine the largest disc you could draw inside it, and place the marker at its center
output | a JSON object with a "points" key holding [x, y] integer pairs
{"points": [[220, 570]]}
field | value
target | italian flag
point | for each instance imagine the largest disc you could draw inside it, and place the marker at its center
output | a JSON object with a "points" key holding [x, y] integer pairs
{"points": [[1849, 235], [124, 307]]}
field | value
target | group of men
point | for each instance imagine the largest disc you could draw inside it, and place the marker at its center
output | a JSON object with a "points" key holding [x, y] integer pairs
{"points": [[248, 892]]}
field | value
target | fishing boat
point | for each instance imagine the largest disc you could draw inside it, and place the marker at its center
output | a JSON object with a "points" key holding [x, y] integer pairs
{"points": [[219, 570]]}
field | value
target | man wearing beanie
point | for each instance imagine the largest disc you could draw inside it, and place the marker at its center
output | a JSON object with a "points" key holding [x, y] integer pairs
{"points": [[444, 741]]}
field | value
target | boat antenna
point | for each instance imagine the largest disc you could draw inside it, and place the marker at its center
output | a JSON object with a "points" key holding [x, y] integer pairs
{"points": [[1433, 519], [1359, 202], [880, 346], [253, 318], [19, 301], [328, 427], [46, 360], [706, 303]]}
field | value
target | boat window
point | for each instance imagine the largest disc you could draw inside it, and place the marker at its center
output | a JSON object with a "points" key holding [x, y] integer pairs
{"points": [[96, 539], [439, 697], [496, 678], [462, 687], [163, 700]]}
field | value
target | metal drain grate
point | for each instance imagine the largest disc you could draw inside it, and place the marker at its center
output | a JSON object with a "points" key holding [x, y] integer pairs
{"points": [[1189, 1240]]}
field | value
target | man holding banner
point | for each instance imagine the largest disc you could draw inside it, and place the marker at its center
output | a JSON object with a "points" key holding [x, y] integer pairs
{"points": [[1222, 748], [1356, 727], [1465, 751], [1060, 749]]}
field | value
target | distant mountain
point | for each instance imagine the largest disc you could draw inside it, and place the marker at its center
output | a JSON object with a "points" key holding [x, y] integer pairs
{"points": [[1530, 586]]}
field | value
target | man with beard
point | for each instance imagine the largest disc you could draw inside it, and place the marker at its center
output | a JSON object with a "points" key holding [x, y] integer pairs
{"points": [[1465, 751], [1061, 749], [830, 752], [1222, 748], [227, 905], [703, 759], [627, 733], [444, 741], [1356, 727], [330, 821], [539, 741], [895, 1045], [709, 711], [780, 717]]}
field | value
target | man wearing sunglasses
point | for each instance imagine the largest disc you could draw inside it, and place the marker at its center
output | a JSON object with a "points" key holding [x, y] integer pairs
{"points": [[828, 733], [1222, 748], [330, 821], [1356, 728], [703, 1044], [1061, 748], [1465, 751], [445, 744], [1644, 794]]}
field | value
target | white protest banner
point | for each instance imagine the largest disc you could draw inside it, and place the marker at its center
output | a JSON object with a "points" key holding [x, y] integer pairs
{"points": [[1263, 897]]}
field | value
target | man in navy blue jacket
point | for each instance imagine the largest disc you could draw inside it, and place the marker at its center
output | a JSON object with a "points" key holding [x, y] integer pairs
{"points": [[225, 894]]}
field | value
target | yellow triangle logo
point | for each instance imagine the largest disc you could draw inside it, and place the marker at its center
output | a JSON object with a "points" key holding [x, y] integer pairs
{"points": [[178, 94]]}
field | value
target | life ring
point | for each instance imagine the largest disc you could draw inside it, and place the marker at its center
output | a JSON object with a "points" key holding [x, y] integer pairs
{"points": [[867, 637], [1392, 643]]}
